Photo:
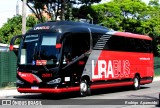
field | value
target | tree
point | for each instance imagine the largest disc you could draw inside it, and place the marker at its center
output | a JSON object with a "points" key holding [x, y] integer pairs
{"points": [[155, 22], [126, 15], [87, 2], [13, 27], [55, 8], [154, 2]]}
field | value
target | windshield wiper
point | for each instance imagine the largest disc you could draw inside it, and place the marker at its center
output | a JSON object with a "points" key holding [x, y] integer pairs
{"points": [[74, 60], [34, 53]]}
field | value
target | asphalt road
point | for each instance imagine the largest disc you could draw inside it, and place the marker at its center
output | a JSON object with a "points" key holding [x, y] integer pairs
{"points": [[123, 97]]}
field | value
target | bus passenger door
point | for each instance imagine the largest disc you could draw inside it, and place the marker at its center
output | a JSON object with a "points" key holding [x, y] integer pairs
{"points": [[74, 56]]}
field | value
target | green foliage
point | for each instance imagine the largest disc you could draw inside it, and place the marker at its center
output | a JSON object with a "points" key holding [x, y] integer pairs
{"points": [[13, 27], [127, 15], [87, 2], [31, 21], [56, 8]]}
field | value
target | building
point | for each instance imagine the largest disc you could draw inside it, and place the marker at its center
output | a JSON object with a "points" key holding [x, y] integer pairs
{"points": [[4, 47]]}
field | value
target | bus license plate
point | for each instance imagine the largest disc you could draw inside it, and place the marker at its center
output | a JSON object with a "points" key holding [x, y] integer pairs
{"points": [[34, 87]]}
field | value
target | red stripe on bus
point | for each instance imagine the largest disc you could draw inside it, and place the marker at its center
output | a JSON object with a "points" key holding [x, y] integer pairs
{"points": [[146, 81], [48, 90], [98, 86], [29, 77], [131, 35], [72, 89]]}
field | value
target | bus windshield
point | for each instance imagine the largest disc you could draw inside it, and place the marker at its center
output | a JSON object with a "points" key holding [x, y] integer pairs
{"points": [[39, 49]]}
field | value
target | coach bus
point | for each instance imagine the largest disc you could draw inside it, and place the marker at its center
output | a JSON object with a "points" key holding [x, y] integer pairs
{"points": [[65, 56]]}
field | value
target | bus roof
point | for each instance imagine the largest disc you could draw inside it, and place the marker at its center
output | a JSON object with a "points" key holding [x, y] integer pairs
{"points": [[131, 35], [71, 26], [66, 26]]}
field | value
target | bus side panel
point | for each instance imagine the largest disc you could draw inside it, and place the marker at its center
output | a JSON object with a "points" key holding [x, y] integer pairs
{"points": [[90, 65], [121, 65]]}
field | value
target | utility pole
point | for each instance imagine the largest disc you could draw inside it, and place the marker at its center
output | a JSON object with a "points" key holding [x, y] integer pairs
{"points": [[24, 16], [63, 3], [17, 8]]}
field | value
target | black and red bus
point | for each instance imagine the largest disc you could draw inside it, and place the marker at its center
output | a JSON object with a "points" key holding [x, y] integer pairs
{"points": [[65, 56]]}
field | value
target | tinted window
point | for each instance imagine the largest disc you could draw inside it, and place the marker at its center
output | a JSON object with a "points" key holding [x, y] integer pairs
{"points": [[143, 45], [116, 43], [95, 38], [119, 43]]}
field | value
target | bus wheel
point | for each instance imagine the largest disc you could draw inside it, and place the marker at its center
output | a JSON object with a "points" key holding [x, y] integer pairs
{"points": [[136, 82], [84, 88]]}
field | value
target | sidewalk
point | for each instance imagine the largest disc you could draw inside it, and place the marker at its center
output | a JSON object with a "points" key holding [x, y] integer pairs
{"points": [[9, 92], [13, 91], [156, 78]]}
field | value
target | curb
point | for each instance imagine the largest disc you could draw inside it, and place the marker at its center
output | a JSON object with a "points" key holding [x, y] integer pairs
{"points": [[10, 92], [156, 79]]}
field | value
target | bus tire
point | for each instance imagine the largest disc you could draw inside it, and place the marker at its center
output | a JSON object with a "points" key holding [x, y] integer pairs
{"points": [[84, 88], [136, 82]]}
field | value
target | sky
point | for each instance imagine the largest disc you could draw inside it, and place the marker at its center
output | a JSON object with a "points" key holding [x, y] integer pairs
{"points": [[8, 9]]}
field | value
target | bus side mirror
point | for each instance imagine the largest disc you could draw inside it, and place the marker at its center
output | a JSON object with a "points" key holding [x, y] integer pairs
{"points": [[13, 46]]}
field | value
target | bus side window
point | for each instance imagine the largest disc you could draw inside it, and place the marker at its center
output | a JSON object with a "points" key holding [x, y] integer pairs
{"points": [[146, 45], [80, 43], [67, 49], [131, 45], [116, 43], [95, 38]]}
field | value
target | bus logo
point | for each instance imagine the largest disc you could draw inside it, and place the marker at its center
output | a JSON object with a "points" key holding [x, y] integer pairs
{"points": [[110, 69]]}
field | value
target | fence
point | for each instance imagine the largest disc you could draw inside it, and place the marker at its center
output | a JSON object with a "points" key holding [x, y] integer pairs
{"points": [[157, 66], [7, 69]]}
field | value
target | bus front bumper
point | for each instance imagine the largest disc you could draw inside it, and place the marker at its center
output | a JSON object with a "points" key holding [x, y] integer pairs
{"points": [[48, 90]]}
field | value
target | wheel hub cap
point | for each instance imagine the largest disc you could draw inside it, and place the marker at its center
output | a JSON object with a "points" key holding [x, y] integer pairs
{"points": [[83, 87], [136, 82]]}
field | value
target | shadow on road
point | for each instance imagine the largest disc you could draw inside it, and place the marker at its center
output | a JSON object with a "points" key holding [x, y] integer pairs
{"points": [[74, 94], [114, 90]]}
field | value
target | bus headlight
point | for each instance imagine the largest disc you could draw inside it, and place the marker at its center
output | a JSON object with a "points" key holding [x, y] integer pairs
{"points": [[55, 81], [19, 82]]}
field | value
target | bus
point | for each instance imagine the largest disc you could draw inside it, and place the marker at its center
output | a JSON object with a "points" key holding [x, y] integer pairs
{"points": [[65, 56]]}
